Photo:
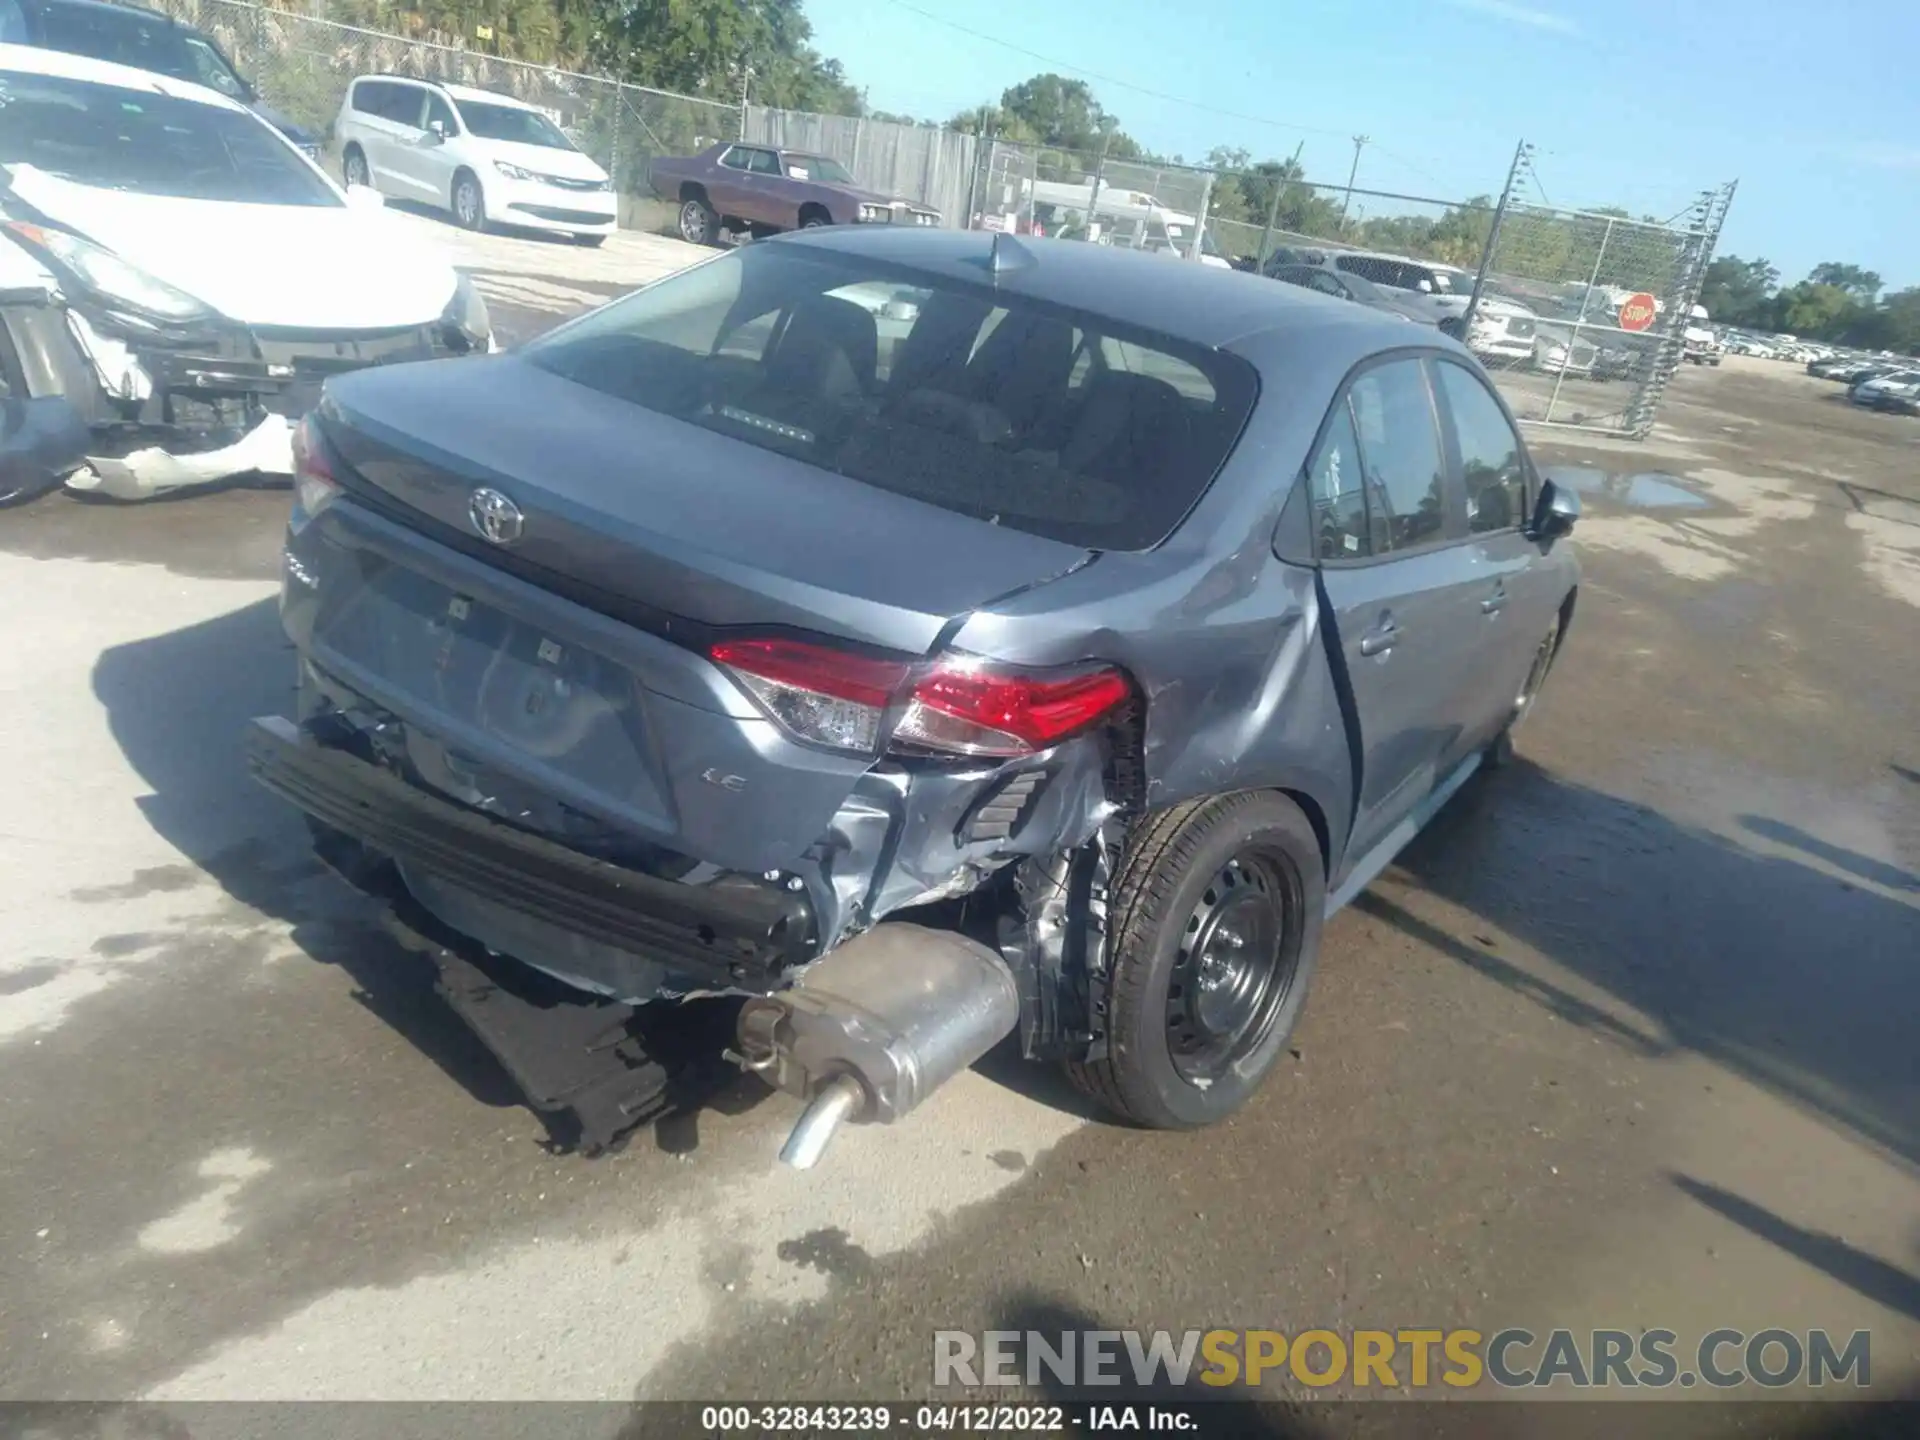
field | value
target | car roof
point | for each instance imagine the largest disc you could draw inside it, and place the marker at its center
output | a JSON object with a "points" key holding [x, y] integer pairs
{"points": [[1200, 304], [30, 60], [456, 92]]}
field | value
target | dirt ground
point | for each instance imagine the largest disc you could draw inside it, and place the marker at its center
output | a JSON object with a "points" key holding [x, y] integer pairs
{"points": [[1625, 1040]]}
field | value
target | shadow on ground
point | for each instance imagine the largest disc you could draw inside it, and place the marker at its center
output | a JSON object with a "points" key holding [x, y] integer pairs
{"points": [[1803, 983], [177, 705]]}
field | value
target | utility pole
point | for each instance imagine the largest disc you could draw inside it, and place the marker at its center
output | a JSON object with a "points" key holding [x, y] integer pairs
{"points": [[1359, 143], [1099, 170], [746, 80], [1273, 205]]}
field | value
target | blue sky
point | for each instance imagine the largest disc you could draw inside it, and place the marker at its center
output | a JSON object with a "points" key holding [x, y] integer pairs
{"points": [[1643, 103]]}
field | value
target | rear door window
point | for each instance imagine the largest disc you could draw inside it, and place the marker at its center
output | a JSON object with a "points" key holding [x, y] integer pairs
{"points": [[1335, 481], [1056, 422], [1400, 454]]}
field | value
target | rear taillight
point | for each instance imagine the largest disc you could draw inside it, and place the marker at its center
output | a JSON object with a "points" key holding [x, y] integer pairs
{"points": [[978, 710], [950, 707], [314, 484]]}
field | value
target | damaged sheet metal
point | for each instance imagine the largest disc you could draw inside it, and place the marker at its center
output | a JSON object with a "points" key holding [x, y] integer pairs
{"points": [[912, 837]]}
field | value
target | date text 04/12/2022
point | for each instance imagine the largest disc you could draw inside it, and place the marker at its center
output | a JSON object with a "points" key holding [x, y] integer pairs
{"points": [[941, 1419]]}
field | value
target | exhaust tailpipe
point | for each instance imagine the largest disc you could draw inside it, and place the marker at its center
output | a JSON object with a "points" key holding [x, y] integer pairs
{"points": [[871, 1029]]}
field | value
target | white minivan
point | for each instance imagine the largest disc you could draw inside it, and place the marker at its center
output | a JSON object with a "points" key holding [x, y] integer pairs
{"points": [[486, 158]]}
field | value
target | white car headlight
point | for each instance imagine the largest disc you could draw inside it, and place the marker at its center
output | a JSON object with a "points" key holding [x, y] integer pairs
{"points": [[514, 172], [120, 284]]}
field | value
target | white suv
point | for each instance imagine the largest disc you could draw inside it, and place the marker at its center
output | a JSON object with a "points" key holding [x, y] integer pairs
{"points": [[482, 156]]}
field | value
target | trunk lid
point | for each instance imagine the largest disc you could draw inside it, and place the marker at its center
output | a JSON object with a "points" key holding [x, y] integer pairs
{"points": [[667, 516]]}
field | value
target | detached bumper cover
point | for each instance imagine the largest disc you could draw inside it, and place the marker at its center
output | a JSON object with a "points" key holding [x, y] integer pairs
{"points": [[734, 933], [267, 449]]}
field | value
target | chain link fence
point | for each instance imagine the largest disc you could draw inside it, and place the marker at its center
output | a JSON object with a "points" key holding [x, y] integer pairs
{"points": [[301, 66], [1586, 315], [1583, 315]]}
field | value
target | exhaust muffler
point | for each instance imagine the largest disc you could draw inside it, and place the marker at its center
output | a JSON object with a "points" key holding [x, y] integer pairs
{"points": [[871, 1029]]}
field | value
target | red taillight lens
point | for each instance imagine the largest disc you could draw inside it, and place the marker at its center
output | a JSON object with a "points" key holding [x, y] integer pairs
{"points": [[828, 697], [314, 485], [977, 710], [821, 695]]}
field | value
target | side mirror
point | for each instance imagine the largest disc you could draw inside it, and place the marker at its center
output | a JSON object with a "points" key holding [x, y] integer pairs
{"points": [[1426, 287], [437, 131], [1556, 512]]}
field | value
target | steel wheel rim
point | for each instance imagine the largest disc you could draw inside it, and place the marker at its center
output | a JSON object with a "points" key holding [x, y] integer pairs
{"points": [[1238, 957], [466, 203], [693, 223], [357, 169]]}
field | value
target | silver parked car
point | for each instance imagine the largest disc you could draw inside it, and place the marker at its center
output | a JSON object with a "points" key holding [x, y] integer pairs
{"points": [[1050, 655]]}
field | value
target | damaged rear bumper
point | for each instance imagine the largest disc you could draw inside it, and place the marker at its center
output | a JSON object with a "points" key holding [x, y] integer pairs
{"points": [[735, 933]]}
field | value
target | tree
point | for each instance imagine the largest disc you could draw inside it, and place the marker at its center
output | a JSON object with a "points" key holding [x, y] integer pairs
{"points": [[1862, 285], [1739, 292], [1814, 309]]}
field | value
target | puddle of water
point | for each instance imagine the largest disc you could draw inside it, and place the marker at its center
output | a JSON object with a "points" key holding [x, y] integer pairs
{"points": [[1648, 490]]}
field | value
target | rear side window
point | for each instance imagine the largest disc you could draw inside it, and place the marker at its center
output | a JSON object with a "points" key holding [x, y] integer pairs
{"points": [[1335, 480], [1490, 463], [1400, 449], [1059, 423]]}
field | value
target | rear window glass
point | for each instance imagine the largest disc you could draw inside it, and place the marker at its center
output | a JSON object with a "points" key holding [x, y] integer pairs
{"points": [[1060, 423]]}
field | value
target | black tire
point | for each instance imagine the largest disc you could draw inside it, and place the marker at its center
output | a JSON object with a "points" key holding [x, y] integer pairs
{"points": [[353, 167], [468, 202], [1178, 869], [811, 219], [1500, 752], [14, 493], [698, 224]]}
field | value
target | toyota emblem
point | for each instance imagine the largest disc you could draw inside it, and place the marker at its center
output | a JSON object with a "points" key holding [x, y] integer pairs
{"points": [[496, 517]]}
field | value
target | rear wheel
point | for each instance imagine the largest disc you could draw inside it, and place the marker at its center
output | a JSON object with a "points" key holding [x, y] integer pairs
{"points": [[814, 218], [698, 224], [469, 204], [353, 165], [1216, 920]]}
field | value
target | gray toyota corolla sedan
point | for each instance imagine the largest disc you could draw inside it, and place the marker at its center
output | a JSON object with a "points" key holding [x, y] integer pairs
{"points": [[915, 639]]}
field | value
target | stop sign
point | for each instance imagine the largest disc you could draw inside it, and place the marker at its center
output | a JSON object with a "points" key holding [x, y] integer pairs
{"points": [[1636, 312]]}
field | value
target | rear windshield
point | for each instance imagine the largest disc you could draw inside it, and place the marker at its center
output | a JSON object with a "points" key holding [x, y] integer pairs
{"points": [[1057, 422]]}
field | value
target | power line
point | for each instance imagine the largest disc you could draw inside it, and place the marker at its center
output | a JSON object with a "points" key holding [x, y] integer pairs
{"points": [[1108, 79]]}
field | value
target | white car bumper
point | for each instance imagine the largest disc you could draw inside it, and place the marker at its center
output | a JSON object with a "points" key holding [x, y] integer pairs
{"points": [[267, 450], [555, 208]]}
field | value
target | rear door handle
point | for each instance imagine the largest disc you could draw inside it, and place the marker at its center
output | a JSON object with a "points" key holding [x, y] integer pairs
{"points": [[1380, 640]]}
